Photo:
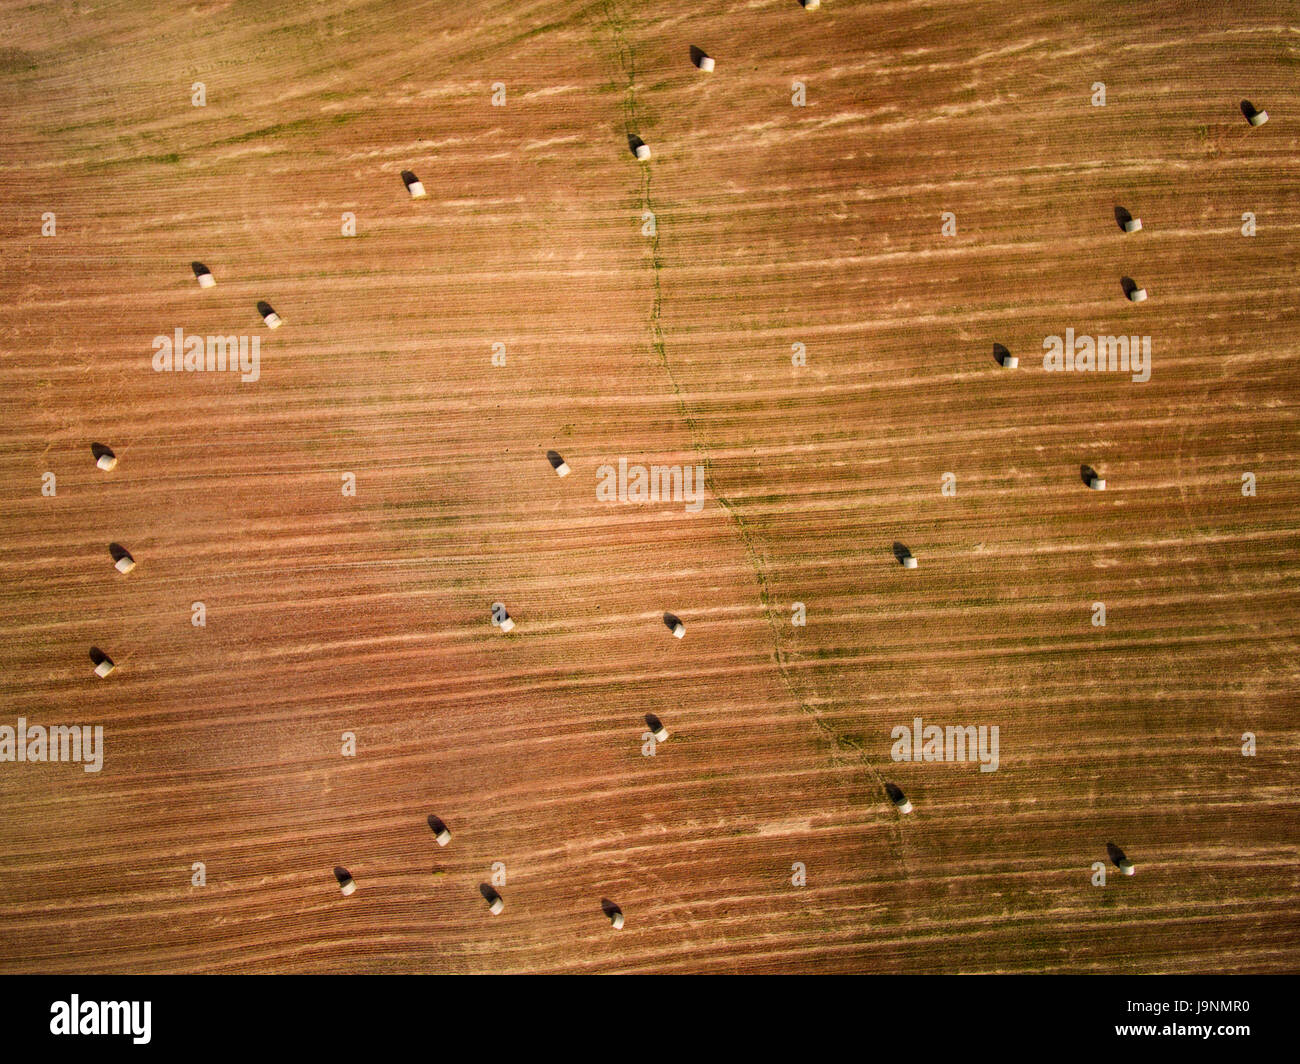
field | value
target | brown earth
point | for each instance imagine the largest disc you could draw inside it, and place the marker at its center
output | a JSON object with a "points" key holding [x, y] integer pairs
{"points": [[776, 225]]}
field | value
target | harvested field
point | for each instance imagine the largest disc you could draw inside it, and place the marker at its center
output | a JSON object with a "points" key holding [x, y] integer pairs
{"points": [[663, 341]]}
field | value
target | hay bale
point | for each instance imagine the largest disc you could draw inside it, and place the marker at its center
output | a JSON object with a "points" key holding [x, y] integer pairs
{"points": [[560, 466], [705, 63], [1137, 295], [1097, 483], [440, 831], [643, 152], [1133, 225], [105, 666], [1257, 119], [1010, 361], [124, 564], [679, 630], [909, 562]]}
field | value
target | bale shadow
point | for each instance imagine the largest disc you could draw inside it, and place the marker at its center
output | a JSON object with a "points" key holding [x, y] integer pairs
{"points": [[100, 451], [1248, 110], [118, 552], [436, 824], [489, 893], [1087, 473], [895, 793], [671, 621], [697, 54], [653, 723], [409, 179], [634, 142], [264, 308], [1129, 285], [1000, 353], [609, 908], [1122, 217], [901, 553], [98, 657], [1116, 854], [199, 269], [342, 875], [554, 458]]}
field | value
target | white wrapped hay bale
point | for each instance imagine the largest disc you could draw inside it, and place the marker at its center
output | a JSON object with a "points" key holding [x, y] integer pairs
{"points": [[560, 466], [494, 900], [901, 802], [441, 833]]}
